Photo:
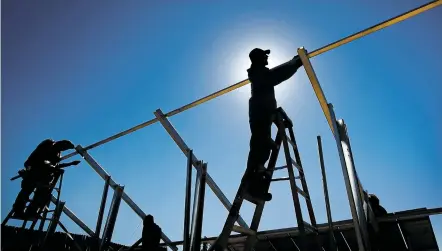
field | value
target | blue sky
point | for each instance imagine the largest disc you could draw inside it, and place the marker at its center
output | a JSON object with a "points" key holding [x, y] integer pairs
{"points": [[85, 70]]}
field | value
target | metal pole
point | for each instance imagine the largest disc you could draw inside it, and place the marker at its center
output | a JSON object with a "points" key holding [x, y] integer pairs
{"points": [[314, 53], [185, 149], [200, 211], [112, 218], [187, 203], [102, 207], [327, 201], [103, 174], [195, 203], [347, 181], [354, 181]]}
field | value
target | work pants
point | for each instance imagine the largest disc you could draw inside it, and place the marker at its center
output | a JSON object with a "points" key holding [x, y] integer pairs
{"points": [[28, 184], [260, 120], [42, 195]]}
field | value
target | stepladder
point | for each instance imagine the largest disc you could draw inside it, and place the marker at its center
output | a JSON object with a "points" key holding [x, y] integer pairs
{"points": [[42, 212], [262, 181]]}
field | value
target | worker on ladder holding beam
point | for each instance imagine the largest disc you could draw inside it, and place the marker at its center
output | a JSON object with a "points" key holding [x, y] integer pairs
{"points": [[38, 175], [262, 107]]}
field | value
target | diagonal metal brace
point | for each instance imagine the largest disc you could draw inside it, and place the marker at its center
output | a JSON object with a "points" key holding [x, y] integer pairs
{"points": [[104, 175], [186, 150]]}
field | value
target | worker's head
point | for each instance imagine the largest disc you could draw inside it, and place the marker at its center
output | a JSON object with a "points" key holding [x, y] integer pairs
{"points": [[63, 145], [148, 220], [374, 200], [259, 57]]}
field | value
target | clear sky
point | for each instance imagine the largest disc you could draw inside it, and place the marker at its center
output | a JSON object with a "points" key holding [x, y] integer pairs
{"points": [[85, 70]]}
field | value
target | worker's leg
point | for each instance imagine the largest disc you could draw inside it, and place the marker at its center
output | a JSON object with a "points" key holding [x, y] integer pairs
{"points": [[42, 196], [259, 153], [38, 201], [27, 187]]}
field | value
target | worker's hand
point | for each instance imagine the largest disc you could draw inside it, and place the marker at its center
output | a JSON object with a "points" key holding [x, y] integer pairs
{"points": [[75, 162], [296, 61]]}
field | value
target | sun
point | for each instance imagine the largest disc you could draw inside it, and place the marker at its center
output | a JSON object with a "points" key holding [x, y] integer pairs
{"points": [[240, 38]]}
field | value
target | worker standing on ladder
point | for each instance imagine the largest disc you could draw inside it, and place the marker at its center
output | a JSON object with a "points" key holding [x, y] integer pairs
{"points": [[262, 107], [38, 174]]}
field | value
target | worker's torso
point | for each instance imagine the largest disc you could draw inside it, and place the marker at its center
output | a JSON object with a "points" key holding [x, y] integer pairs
{"points": [[262, 91]]}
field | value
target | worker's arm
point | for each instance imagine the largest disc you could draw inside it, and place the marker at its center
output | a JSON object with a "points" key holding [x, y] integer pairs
{"points": [[286, 71], [72, 163]]}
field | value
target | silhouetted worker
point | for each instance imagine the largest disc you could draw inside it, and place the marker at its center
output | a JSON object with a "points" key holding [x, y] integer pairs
{"points": [[262, 107], [378, 210], [151, 235], [38, 174]]}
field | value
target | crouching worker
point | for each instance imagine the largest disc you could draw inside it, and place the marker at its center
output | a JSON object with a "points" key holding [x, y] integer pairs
{"points": [[262, 107], [38, 174], [151, 234]]}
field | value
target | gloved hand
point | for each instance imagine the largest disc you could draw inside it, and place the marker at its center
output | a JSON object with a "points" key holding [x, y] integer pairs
{"points": [[296, 61], [75, 162]]}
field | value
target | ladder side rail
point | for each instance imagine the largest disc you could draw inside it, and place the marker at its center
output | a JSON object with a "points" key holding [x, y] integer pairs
{"points": [[293, 186], [58, 178], [252, 239], [303, 180]]}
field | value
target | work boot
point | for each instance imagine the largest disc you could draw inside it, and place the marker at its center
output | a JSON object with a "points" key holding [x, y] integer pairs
{"points": [[255, 192]]}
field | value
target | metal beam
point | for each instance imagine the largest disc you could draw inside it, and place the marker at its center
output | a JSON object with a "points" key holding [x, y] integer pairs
{"points": [[186, 150], [242, 83], [74, 218], [103, 174]]}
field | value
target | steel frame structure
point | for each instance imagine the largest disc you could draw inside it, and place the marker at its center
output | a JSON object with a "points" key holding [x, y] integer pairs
{"points": [[338, 129]]}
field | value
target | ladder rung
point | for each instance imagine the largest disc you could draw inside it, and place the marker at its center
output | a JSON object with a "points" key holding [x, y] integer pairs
{"points": [[302, 193], [296, 164], [279, 168], [242, 230], [280, 179], [310, 227]]}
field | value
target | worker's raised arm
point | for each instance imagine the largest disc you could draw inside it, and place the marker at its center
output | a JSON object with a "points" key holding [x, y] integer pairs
{"points": [[286, 71]]}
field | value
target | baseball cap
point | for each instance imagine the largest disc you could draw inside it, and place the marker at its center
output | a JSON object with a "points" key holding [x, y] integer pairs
{"points": [[258, 54]]}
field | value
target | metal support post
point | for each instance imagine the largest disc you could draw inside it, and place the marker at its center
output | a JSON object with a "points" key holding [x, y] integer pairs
{"points": [[185, 149], [103, 174], [186, 237], [327, 201], [346, 165], [196, 240], [195, 203], [112, 218], [102, 207], [355, 183]]}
